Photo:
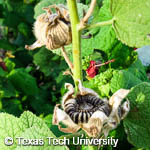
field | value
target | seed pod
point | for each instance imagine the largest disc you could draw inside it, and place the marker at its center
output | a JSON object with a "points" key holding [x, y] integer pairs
{"points": [[87, 111], [81, 109], [52, 29]]}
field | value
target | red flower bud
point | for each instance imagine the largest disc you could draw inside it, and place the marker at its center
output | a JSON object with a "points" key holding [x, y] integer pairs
{"points": [[92, 71]]}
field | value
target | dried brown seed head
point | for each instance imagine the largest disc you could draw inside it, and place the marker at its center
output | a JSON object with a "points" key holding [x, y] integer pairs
{"points": [[52, 29], [87, 111]]}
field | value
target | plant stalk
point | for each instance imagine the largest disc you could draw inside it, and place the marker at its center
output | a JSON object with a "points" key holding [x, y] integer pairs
{"points": [[76, 41], [99, 24]]}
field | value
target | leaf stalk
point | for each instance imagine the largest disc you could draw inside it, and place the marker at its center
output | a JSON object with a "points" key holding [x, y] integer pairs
{"points": [[100, 24]]}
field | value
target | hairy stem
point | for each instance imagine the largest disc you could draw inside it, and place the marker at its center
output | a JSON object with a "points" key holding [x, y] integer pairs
{"points": [[76, 41]]}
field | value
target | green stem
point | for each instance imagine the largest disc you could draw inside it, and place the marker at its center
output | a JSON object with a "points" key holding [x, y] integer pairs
{"points": [[76, 41], [99, 24]]}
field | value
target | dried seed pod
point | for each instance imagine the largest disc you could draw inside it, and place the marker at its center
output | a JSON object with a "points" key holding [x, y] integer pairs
{"points": [[82, 108], [87, 111], [52, 29]]}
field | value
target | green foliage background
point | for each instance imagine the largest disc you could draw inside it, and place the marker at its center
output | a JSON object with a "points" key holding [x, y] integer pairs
{"points": [[34, 80]]}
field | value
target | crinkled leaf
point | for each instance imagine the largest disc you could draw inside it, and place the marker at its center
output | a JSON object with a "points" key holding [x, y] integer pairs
{"points": [[28, 119], [104, 90], [23, 81], [144, 55], [104, 13], [132, 21], [39, 133], [27, 126], [123, 79], [87, 46], [35, 128], [123, 55], [7, 89], [137, 122], [138, 70], [104, 38], [101, 83], [45, 64], [9, 127]]}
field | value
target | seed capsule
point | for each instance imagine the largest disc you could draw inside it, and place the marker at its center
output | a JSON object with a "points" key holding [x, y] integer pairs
{"points": [[81, 109], [52, 29]]}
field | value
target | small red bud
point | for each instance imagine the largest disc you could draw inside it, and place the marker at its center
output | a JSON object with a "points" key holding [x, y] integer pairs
{"points": [[92, 71]]}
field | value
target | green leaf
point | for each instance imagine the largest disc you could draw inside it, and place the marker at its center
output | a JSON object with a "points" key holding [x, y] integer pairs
{"points": [[12, 106], [104, 12], [7, 90], [137, 122], [132, 21], [101, 83], [87, 46], [23, 81], [24, 11], [53, 128], [9, 64], [27, 126], [138, 70], [40, 103], [28, 1], [104, 90], [81, 8], [35, 128], [123, 79], [24, 29], [8, 122], [45, 64], [12, 19], [104, 38], [123, 55], [6, 45], [28, 120], [2, 72]]}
